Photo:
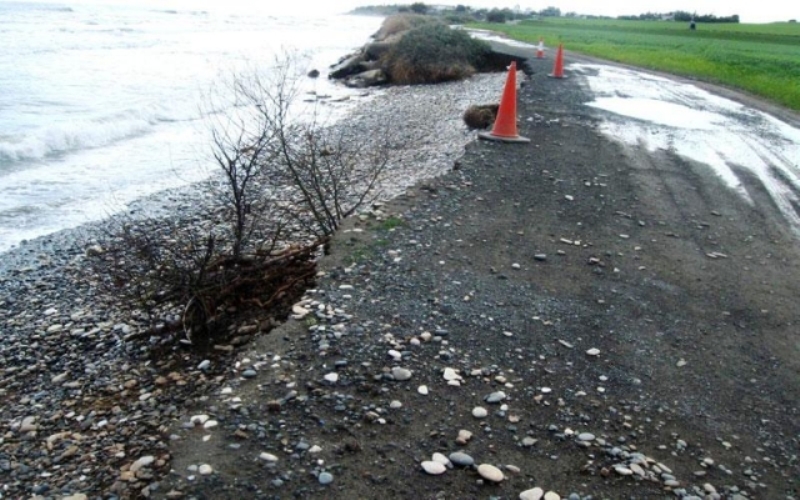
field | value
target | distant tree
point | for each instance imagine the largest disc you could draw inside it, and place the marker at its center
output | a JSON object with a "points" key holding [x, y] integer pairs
{"points": [[496, 16], [419, 8], [461, 8], [550, 12]]}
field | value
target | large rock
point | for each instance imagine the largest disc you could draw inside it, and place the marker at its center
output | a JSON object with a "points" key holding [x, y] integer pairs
{"points": [[367, 79], [348, 66]]}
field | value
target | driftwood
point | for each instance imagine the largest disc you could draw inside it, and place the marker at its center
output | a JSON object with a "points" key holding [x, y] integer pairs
{"points": [[265, 285]]}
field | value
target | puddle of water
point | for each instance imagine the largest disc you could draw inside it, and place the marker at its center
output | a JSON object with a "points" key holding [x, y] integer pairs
{"points": [[695, 124], [491, 36], [659, 112]]}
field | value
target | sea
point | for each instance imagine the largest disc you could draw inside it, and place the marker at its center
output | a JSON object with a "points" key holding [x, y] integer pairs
{"points": [[101, 105]]}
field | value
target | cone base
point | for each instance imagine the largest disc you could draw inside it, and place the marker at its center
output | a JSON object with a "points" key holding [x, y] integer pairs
{"points": [[491, 137]]}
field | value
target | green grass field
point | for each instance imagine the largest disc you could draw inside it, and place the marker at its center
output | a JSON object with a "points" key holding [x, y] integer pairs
{"points": [[762, 59]]}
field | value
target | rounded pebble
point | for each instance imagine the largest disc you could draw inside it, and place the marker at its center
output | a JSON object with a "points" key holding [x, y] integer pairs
{"points": [[532, 494], [433, 468], [462, 459], [401, 374], [479, 412], [490, 473], [325, 478]]}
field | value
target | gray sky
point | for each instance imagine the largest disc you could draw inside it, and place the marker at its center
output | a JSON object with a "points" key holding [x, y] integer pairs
{"points": [[748, 10]]}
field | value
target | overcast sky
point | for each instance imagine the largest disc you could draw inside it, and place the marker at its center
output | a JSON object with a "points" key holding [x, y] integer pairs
{"points": [[749, 11]]}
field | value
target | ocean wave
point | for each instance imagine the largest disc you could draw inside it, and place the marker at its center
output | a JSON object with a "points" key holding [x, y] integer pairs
{"points": [[24, 6], [83, 134], [176, 12]]}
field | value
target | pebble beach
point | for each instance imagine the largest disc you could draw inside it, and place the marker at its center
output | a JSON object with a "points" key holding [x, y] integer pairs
{"points": [[82, 405]]}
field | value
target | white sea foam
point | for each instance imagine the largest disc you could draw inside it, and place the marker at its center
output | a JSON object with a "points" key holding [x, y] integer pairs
{"points": [[104, 104], [82, 134]]}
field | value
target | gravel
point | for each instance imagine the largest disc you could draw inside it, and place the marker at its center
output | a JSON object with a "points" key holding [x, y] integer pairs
{"points": [[417, 287]]}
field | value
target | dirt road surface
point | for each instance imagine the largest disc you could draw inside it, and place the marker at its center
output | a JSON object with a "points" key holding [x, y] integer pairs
{"points": [[609, 311]]}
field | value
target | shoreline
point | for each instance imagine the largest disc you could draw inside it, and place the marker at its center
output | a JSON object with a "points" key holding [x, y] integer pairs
{"points": [[25, 255]]}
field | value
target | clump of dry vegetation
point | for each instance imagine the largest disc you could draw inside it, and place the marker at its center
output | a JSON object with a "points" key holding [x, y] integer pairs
{"points": [[480, 116], [433, 53], [400, 23]]}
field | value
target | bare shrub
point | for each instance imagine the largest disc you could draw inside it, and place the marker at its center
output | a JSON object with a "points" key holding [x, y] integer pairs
{"points": [[285, 182]]}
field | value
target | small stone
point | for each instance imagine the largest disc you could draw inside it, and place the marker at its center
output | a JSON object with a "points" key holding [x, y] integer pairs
{"points": [[439, 457], [528, 441], [28, 424], [395, 405], [479, 412], [433, 468], [401, 374], [423, 389], [495, 397], [594, 351], [332, 377], [142, 462], [451, 374], [532, 494], [463, 436], [490, 473], [551, 495], [205, 470], [268, 457], [210, 424], [462, 459], [299, 311], [622, 470], [249, 373], [204, 365], [325, 478], [586, 436]]}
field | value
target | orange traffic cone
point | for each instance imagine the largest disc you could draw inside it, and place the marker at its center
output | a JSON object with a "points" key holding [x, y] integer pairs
{"points": [[540, 49], [558, 67], [505, 125]]}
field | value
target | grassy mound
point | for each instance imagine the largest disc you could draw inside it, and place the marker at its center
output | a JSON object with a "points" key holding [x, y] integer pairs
{"points": [[400, 23], [433, 53]]}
